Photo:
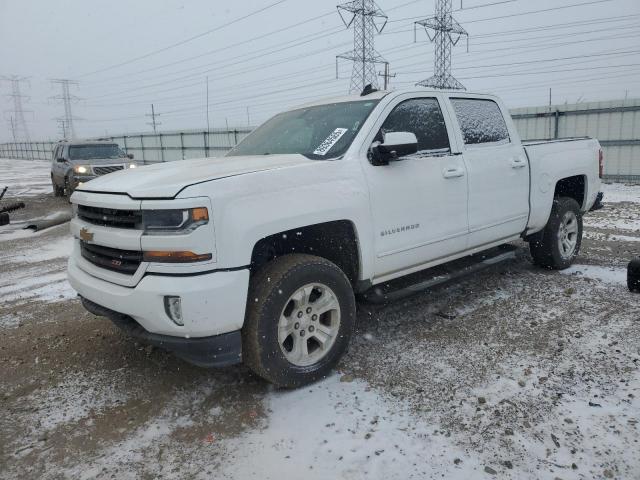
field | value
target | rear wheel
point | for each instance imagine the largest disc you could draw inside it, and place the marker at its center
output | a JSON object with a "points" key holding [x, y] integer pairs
{"points": [[300, 315], [559, 243]]}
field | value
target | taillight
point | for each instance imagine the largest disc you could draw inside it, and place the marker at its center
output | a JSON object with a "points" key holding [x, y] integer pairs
{"points": [[600, 163]]}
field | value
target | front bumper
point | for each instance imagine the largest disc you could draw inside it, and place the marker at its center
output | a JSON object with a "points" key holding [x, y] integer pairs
{"points": [[212, 303], [214, 351]]}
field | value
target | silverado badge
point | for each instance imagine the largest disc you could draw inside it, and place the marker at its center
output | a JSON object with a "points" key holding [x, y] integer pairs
{"points": [[86, 235]]}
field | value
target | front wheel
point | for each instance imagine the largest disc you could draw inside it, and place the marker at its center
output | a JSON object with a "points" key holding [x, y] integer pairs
{"points": [[57, 191], [300, 314], [559, 243]]}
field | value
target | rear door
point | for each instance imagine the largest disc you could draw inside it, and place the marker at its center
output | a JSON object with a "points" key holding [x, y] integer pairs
{"points": [[497, 167], [419, 202]]}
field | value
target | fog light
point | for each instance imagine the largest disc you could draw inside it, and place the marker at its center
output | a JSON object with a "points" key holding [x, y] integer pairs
{"points": [[173, 309]]}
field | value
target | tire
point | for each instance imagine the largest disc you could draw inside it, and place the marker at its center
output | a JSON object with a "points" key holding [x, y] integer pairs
{"points": [[275, 331], [557, 246], [57, 191], [68, 191]]}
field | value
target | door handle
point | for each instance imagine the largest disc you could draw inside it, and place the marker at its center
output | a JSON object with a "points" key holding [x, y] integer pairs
{"points": [[518, 162], [453, 172]]}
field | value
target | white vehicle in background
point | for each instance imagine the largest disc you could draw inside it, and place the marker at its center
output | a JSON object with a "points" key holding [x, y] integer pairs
{"points": [[257, 257], [76, 162]]}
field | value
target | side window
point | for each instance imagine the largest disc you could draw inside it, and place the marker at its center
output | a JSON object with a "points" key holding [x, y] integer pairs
{"points": [[423, 117], [481, 121]]}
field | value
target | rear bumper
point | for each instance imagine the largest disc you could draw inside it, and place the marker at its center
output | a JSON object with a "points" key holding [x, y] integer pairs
{"points": [[214, 351]]}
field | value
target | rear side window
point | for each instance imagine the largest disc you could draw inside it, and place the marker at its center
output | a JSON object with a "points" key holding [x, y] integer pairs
{"points": [[423, 117], [481, 121]]}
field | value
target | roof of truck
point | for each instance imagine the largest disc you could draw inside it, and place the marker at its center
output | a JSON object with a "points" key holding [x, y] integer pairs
{"points": [[378, 94]]}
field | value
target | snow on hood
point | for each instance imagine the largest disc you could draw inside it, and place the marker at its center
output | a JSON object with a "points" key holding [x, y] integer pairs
{"points": [[165, 180]]}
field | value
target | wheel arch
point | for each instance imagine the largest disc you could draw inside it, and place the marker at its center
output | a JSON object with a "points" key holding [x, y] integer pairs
{"points": [[336, 241]]}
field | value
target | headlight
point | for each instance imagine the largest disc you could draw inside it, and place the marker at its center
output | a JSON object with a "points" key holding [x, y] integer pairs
{"points": [[132, 165], [161, 222], [81, 169]]}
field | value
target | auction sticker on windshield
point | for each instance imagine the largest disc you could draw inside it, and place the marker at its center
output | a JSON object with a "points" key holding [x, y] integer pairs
{"points": [[330, 141]]}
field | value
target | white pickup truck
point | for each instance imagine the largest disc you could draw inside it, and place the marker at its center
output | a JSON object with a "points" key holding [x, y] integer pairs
{"points": [[258, 256]]}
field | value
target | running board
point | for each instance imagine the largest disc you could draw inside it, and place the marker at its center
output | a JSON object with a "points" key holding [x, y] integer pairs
{"points": [[420, 281]]}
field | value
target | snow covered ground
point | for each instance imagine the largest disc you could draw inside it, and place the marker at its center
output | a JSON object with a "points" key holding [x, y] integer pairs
{"points": [[515, 373], [25, 177]]}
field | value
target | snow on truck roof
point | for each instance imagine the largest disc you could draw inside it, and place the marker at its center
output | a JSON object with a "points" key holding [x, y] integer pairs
{"points": [[379, 94]]}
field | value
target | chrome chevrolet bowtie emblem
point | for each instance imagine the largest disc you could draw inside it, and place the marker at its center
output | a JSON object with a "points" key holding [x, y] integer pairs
{"points": [[86, 235]]}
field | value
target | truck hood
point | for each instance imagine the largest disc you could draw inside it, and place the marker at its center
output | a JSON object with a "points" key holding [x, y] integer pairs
{"points": [[166, 180]]}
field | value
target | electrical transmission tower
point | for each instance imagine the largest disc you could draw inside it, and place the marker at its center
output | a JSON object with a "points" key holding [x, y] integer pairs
{"points": [[17, 122], [153, 116], [367, 20], [446, 34], [66, 122]]}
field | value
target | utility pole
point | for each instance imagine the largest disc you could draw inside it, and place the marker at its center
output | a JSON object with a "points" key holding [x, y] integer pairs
{"points": [[13, 128], [208, 128], [248, 118], [66, 98], [153, 121], [386, 75], [364, 14], [62, 127], [447, 34], [18, 123]]}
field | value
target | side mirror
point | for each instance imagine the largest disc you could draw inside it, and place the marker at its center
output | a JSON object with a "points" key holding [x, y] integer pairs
{"points": [[60, 160], [130, 156], [394, 146]]}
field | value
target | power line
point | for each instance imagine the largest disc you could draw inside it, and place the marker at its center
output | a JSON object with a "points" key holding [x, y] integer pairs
{"points": [[186, 40], [552, 9], [233, 45], [218, 66], [223, 49]]}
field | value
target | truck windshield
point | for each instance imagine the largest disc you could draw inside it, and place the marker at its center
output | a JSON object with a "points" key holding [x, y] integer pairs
{"points": [[318, 132], [90, 152]]}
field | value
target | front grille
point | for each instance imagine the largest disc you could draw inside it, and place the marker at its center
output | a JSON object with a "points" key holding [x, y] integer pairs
{"points": [[111, 217], [107, 169], [122, 261]]}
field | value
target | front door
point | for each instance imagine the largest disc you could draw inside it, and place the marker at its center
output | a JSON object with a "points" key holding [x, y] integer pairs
{"points": [[419, 202], [498, 172]]}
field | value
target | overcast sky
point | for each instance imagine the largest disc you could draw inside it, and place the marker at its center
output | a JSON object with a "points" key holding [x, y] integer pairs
{"points": [[285, 55]]}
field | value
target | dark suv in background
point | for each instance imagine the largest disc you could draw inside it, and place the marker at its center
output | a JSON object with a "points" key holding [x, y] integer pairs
{"points": [[75, 163]]}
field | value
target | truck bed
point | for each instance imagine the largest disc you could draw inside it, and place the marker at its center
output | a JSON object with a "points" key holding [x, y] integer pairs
{"points": [[562, 158]]}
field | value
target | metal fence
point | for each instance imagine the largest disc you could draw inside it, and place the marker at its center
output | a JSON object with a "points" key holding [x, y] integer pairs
{"points": [[147, 147], [616, 124], [27, 150]]}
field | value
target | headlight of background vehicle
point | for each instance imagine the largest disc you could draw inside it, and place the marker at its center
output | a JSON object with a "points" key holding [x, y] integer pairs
{"points": [[132, 165], [162, 222], [81, 169]]}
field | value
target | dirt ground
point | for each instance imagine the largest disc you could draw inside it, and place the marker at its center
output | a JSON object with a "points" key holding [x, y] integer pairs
{"points": [[516, 372]]}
